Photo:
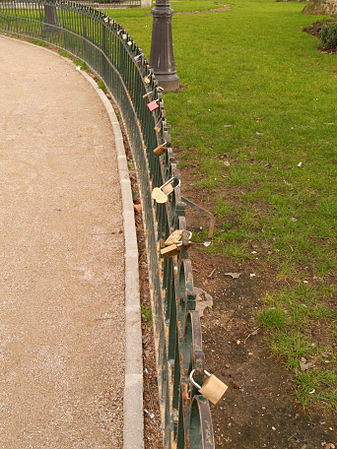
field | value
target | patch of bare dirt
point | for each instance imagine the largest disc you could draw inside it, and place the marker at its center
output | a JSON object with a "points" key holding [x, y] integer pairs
{"points": [[259, 409], [315, 30]]}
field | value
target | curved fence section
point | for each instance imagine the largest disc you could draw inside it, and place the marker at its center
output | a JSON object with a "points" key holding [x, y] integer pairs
{"points": [[109, 50]]}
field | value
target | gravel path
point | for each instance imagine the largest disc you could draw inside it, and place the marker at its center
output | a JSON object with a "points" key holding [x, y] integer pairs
{"points": [[61, 259]]}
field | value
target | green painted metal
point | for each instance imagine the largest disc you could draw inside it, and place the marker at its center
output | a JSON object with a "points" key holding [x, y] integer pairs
{"points": [[110, 52]]}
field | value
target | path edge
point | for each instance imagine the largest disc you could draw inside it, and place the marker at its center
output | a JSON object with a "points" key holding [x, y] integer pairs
{"points": [[133, 430]]}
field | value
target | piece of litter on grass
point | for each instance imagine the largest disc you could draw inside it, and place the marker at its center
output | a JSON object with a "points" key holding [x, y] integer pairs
{"points": [[227, 126], [226, 163], [252, 275], [312, 391], [293, 219], [304, 364], [254, 252], [300, 164], [233, 275], [206, 243], [78, 68]]}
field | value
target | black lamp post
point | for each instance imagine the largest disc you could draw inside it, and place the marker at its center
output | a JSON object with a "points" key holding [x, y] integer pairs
{"points": [[161, 58]]}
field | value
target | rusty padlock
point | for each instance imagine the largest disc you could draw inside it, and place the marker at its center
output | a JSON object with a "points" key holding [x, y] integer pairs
{"points": [[160, 194], [213, 388]]}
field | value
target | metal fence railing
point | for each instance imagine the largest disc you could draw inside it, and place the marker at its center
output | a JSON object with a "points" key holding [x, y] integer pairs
{"points": [[110, 4], [109, 51]]}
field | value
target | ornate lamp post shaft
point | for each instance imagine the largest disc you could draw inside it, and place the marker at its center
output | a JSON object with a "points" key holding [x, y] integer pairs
{"points": [[161, 58]]}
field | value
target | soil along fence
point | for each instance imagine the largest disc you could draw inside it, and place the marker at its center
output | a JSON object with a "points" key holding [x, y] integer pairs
{"points": [[109, 51]]}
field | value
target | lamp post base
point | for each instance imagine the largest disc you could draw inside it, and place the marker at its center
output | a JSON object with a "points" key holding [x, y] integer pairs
{"points": [[168, 82]]}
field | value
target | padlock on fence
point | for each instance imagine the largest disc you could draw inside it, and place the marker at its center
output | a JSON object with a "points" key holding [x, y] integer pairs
{"points": [[160, 149], [213, 388], [153, 105], [160, 194], [172, 250], [175, 242]]}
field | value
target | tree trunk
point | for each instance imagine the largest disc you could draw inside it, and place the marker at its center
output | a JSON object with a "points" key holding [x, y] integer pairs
{"points": [[321, 7]]}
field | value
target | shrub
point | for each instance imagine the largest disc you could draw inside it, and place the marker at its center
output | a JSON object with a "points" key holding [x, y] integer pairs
{"points": [[329, 36]]}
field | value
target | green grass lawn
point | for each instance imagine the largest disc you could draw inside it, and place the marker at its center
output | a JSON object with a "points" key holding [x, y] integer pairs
{"points": [[257, 117]]}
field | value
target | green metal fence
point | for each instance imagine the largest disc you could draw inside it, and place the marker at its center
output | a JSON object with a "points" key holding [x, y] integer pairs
{"points": [[109, 50]]}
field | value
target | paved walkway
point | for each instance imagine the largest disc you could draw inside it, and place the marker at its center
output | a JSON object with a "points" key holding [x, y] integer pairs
{"points": [[61, 259]]}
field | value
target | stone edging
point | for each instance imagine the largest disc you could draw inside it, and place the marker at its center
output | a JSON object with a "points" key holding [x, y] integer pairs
{"points": [[133, 432]]}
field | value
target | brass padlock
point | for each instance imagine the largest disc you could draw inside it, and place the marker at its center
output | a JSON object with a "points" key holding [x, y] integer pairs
{"points": [[146, 80], [172, 250], [177, 237], [106, 19], [156, 126], [124, 36], [160, 194], [213, 388], [160, 149], [174, 237]]}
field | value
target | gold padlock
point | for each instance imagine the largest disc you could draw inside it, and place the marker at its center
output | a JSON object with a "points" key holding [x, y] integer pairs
{"points": [[213, 388], [159, 150], [156, 126], [177, 237], [172, 250], [174, 237], [160, 194]]}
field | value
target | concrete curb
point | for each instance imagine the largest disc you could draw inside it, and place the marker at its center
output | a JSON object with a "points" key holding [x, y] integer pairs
{"points": [[133, 431]]}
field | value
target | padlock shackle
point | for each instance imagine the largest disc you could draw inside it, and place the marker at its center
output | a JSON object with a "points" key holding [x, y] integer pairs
{"points": [[193, 382], [174, 178]]}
